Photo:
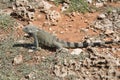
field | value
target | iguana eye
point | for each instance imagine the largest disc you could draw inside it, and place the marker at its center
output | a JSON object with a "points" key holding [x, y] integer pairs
{"points": [[26, 28]]}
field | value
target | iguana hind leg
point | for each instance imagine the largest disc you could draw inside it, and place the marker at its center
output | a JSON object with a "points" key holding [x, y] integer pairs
{"points": [[58, 45]]}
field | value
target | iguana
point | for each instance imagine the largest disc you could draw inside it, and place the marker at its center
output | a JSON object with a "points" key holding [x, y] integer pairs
{"points": [[44, 38]]}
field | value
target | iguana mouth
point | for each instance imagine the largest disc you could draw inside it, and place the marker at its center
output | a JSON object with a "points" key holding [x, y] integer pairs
{"points": [[29, 35]]}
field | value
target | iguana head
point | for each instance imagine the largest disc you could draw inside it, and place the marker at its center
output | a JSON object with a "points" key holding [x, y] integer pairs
{"points": [[30, 29]]}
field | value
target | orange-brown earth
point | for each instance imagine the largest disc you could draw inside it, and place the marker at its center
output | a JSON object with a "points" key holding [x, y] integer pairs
{"points": [[69, 28]]}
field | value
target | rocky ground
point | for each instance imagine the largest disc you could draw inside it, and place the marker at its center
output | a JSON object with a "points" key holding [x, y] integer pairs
{"points": [[19, 62]]}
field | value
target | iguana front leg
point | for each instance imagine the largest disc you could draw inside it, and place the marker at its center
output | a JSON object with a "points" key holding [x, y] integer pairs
{"points": [[36, 43]]}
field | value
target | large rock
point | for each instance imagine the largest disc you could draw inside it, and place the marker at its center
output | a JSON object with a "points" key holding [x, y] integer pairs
{"points": [[53, 17], [76, 51]]}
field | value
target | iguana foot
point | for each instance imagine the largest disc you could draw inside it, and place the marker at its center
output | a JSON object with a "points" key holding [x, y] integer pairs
{"points": [[36, 49]]}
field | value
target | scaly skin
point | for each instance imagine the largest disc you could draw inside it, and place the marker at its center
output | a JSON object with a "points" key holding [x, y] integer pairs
{"points": [[44, 38]]}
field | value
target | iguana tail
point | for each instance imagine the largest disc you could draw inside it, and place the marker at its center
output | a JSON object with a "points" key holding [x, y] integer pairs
{"points": [[85, 44]]}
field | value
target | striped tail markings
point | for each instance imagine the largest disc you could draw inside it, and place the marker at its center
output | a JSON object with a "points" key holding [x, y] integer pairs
{"points": [[72, 44], [83, 44]]}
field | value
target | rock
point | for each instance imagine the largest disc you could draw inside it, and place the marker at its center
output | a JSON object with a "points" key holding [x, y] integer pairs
{"points": [[76, 51], [60, 72], [61, 32], [31, 16], [51, 0], [37, 58], [64, 7], [56, 70], [53, 17], [23, 10], [23, 79], [65, 62], [107, 24], [73, 14], [99, 4], [103, 24], [109, 31], [21, 41], [50, 29], [114, 11], [30, 50], [97, 25], [64, 72], [18, 60], [63, 50], [67, 1], [101, 16], [70, 72], [6, 11], [72, 62], [46, 23], [114, 50], [43, 57], [30, 76], [21, 2], [89, 1], [86, 21], [117, 24], [44, 6]]}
